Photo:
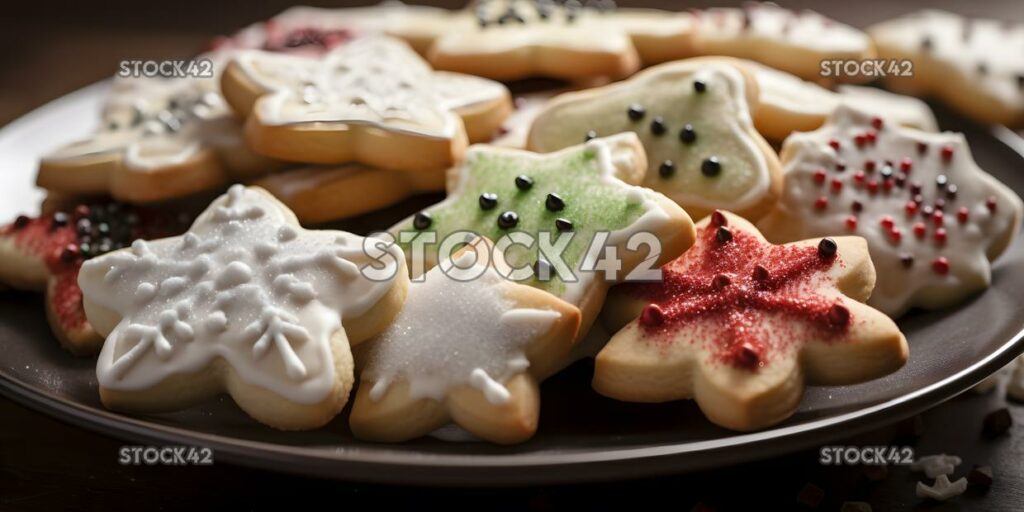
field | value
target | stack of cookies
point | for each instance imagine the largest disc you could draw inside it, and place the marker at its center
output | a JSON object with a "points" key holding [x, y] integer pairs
{"points": [[744, 223]]}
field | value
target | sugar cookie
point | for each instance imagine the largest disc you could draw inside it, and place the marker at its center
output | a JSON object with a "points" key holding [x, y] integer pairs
{"points": [[795, 42], [358, 103], [581, 193], [159, 139], [246, 302], [694, 119], [740, 325], [974, 65], [44, 254], [325, 193], [933, 220], [478, 368], [789, 104]]}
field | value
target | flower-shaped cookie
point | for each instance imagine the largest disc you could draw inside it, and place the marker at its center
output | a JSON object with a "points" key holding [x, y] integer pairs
{"points": [[478, 367], [358, 103], [739, 325], [246, 302], [933, 220]]}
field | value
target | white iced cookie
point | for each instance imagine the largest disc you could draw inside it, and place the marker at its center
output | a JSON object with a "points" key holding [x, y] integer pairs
{"points": [[790, 104], [358, 103], [159, 138], [974, 65], [246, 302], [933, 220], [478, 367], [509, 39], [694, 119], [795, 42]]}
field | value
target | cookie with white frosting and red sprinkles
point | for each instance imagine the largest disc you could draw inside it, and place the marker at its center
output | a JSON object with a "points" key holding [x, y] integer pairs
{"points": [[45, 253], [740, 325], [932, 218]]}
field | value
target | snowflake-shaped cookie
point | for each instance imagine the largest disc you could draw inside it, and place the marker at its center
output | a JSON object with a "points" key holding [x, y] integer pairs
{"points": [[694, 119], [739, 325], [245, 302], [974, 65], [933, 220], [358, 102], [479, 367]]}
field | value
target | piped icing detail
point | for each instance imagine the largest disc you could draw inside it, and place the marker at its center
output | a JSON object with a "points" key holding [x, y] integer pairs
{"points": [[245, 284]]}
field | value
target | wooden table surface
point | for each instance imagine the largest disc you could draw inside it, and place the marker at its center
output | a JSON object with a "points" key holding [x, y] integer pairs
{"points": [[49, 48]]}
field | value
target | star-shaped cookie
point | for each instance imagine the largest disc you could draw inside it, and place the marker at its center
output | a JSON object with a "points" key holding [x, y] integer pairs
{"points": [[694, 118], [739, 325], [358, 103], [974, 65], [583, 194], [246, 302], [933, 219], [478, 368]]}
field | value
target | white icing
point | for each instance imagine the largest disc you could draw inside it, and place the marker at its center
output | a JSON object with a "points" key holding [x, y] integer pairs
{"points": [[790, 93], [186, 301], [375, 81], [771, 26], [587, 33], [454, 332], [942, 489], [963, 45], [898, 287], [935, 465]]}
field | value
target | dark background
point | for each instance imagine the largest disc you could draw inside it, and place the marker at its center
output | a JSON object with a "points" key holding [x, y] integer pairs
{"points": [[49, 48]]}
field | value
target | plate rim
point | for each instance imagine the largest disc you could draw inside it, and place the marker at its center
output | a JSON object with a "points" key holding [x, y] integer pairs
{"points": [[386, 463]]}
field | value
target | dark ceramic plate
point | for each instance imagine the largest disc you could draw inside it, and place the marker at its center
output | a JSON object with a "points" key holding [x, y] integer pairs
{"points": [[582, 436]]}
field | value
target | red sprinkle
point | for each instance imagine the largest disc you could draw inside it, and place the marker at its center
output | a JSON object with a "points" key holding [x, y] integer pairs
{"points": [[860, 139], [990, 203], [869, 165], [872, 136], [896, 234], [851, 223], [819, 176], [938, 217], [940, 265], [837, 184], [962, 214], [922, 148], [887, 222], [876, 122], [652, 316], [718, 218], [872, 186], [911, 208], [834, 144], [906, 165], [858, 177], [940, 236], [821, 203], [947, 153], [920, 230]]}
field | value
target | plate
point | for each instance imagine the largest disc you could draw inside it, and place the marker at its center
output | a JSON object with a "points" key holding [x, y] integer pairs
{"points": [[582, 436]]}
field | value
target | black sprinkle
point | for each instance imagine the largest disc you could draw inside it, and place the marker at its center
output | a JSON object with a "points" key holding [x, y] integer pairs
{"points": [[667, 168], [687, 134], [980, 477], [508, 220], [21, 221], [723, 234], [699, 86], [60, 219], [951, 191], [907, 259], [524, 182], [554, 203], [711, 167], [997, 423], [636, 112], [590, 136], [658, 126], [488, 200], [422, 220], [563, 225], [827, 248]]}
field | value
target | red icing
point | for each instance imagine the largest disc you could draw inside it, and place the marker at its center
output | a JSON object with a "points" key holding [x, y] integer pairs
{"points": [[734, 284]]}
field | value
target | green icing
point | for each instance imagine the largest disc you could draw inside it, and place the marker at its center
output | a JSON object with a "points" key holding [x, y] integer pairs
{"points": [[592, 204]]}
